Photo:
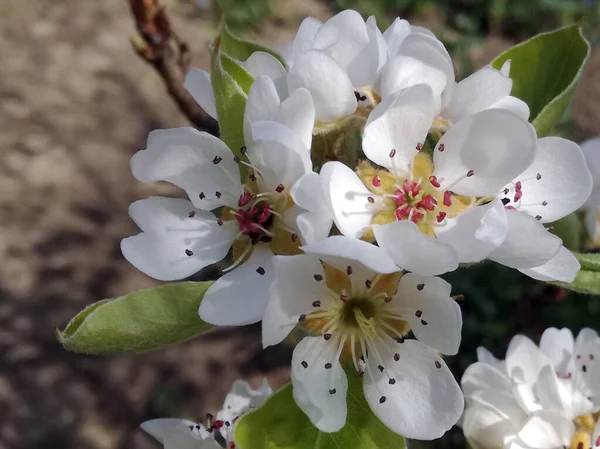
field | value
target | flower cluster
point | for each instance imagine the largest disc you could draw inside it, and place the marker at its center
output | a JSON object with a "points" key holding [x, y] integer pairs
{"points": [[545, 397], [218, 432], [347, 250]]}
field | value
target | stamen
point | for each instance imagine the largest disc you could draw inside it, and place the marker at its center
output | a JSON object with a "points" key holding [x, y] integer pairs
{"points": [[239, 260]]}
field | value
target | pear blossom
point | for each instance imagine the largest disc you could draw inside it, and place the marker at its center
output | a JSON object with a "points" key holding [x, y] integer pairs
{"points": [[557, 183], [430, 213], [539, 397], [258, 217], [341, 63], [175, 433], [591, 149], [358, 309]]}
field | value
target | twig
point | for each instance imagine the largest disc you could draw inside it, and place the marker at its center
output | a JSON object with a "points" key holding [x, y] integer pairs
{"points": [[158, 45]]}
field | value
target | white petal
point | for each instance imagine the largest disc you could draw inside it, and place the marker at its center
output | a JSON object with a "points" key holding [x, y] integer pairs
{"points": [[193, 160], [271, 131], [319, 392], [528, 243], [348, 198], [514, 105], [479, 376], [434, 317], [197, 83], [524, 360], [174, 245], [561, 394], [563, 267], [477, 93], [327, 82], [262, 104], [398, 123], [240, 296], [278, 160], [342, 37], [476, 233], [395, 35], [587, 361], [305, 36], [495, 144], [261, 63], [339, 251], [414, 251], [547, 429], [492, 419], [431, 51], [591, 149], [366, 66], [242, 397], [299, 282], [178, 433], [564, 183], [315, 223], [404, 71], [425, 400], [558, 345], [297, 111], [485, 356]]}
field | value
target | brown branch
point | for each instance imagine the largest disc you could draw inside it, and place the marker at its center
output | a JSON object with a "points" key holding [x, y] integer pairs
{"points": [[159, 46]]}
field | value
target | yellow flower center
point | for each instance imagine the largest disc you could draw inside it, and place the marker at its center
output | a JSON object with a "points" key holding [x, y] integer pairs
{"points": [[583, 435], [356, 314], [260, 220], [416, 197]]}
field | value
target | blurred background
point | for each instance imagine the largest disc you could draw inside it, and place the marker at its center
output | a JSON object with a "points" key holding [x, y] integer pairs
{"points": [[76, 102]]}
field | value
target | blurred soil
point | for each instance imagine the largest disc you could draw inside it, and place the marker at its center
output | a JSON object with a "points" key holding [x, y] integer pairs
{"points": [[75, 104]]}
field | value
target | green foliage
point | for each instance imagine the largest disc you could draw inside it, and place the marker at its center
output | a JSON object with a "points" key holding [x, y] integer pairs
{"points": [[240, 49], [570, 230], [588, 279], [241, 14], [545, 70], [281, 424], [138, 322], [231, 83]]}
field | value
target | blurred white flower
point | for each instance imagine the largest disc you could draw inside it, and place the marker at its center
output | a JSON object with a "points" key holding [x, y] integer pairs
{"points": [[176, 433], [360, 307], [591, 149], [258, 218], [542, 398]]}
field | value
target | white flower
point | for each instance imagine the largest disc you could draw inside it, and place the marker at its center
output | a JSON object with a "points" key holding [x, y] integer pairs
{"points": [[538, 397], [591, 149], [556, 184], [183, 434], [487, 88], [341, 62], [420, 209], [180, 237], [351, 296]]}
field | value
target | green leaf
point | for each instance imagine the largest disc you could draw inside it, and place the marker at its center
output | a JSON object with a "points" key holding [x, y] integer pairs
{"points": [[545, 70], [140, 321], [231, 83], [281, 424], [239, 49], [569, 229], [588, 278]]}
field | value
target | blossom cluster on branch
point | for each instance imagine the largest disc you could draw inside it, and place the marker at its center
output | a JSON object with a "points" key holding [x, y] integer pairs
{"points": [[351, 171]]}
